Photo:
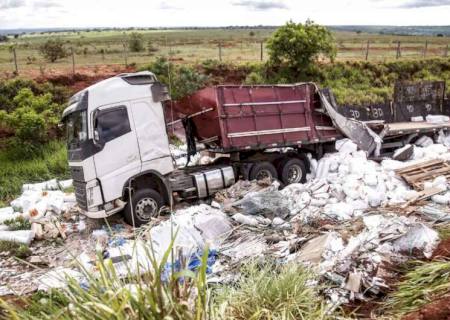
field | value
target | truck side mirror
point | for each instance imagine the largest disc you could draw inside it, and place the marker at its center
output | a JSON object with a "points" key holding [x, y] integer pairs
{"points": [[98, 141]]}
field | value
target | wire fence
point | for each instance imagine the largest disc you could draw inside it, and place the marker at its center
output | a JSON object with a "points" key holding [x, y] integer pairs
{"points": [[84, 55]]}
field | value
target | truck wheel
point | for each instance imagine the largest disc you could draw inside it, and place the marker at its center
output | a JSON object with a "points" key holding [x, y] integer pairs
{"points": [[263, 170], [146, 204], [292, 170]]}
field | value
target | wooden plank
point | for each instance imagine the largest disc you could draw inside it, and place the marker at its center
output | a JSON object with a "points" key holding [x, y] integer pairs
{"points": [[415, 175]]}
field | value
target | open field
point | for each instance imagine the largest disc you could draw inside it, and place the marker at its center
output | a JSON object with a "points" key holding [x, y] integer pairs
{"points": [[93, 48]]}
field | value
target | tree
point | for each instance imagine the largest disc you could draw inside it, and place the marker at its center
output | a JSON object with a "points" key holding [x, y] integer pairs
{"points": [[136, 42], [53, 49], [299, 45], [3, 38]]}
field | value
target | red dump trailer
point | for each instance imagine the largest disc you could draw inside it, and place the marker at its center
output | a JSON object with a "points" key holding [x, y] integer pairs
{"points": [[262, 130], [231, 118]]}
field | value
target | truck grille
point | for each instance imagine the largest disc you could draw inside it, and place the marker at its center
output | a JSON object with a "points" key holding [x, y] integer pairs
{"points": [[80, 194]]}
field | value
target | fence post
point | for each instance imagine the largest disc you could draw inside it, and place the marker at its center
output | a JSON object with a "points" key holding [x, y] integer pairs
{"points": [[220, 51], [125, 53], [73, 60], [446, 51], [16, 69], [262, 51], [399, 52], [367, 50], [425, 49]]}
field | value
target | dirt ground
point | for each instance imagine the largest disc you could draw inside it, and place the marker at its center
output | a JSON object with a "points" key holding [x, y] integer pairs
{"points": [[443, 250], [436, 310]]}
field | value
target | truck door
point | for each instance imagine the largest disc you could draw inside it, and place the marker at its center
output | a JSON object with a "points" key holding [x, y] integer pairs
{"points": [[119, 159]]}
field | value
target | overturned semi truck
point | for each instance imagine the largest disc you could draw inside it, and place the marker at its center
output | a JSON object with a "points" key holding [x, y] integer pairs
{"points": [[118, 146]]}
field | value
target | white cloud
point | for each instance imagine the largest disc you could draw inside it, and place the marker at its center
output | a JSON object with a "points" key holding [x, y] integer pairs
{"points": [[155, 13]]}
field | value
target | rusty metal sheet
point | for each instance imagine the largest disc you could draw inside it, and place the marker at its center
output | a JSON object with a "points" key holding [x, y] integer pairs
{"points": [[418, 99], [353, 129]]}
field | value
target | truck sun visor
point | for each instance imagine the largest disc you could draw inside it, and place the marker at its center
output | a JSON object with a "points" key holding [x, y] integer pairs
{"points": [[81, 100]]}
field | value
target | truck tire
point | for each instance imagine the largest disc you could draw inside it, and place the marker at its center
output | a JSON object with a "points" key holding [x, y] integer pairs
{"points": [[263, 170], [146, 205], [292, 170]]}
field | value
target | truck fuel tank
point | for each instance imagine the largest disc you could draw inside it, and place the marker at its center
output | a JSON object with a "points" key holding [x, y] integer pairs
{"points": [[210, 181]]}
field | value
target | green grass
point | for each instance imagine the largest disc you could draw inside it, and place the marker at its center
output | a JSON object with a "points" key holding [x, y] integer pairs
{"points": [[106, 296], [15, 249], [271, 292], [189, 46], [420, 286], [19, 223], [444, 232], [267, 291], [52, 163]]}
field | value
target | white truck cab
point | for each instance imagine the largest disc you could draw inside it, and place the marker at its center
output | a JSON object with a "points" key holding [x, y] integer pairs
{"points": [[117, 136]]}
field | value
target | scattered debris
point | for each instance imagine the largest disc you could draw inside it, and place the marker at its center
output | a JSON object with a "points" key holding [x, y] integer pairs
{"points": [[351, 222]]}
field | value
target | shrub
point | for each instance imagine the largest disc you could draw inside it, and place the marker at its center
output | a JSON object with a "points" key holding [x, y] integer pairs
{"points": [[53, 49], [31, 121], [136, 42], [299, 45], [183, 80]]}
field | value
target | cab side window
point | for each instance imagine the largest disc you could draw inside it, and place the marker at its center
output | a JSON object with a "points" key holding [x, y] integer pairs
{"points": [[112, 123]]}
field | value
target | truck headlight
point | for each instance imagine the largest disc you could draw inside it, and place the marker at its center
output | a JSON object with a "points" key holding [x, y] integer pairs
{"points": [[93, 194]]}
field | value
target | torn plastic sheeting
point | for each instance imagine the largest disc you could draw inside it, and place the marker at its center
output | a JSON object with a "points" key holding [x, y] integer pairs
{"points": [[132, 257], [186, 238], [19, 236], [435, 214], [214, 227], [246, 245], [58, 278], [419, 237], [264, 202]]}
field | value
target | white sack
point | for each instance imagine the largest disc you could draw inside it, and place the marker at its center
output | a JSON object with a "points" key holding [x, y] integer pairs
{"points": [[346, 146], [424, 141], [20, 236], [437, 119]]}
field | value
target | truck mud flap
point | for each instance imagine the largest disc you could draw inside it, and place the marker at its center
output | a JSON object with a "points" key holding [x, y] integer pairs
{"points": [[355, 130]]}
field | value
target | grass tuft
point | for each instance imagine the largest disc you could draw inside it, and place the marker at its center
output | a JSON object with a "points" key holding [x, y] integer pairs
{"points": [[19, 223], [271, 291], [14, 173], [15, 249], [426, 282]]}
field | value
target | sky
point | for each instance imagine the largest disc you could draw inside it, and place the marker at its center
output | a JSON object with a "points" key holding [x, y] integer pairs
{"points": [[177, 13]]}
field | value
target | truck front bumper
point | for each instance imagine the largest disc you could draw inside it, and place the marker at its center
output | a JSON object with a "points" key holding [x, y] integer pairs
{"points": [[101, 213]]}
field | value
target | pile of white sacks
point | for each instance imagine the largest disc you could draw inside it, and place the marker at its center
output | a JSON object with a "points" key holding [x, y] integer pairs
{"points": [[344, 184], [41, 204]]}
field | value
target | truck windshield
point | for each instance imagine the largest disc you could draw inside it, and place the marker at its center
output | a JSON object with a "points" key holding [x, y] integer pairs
{"points": [[76, 125]]}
